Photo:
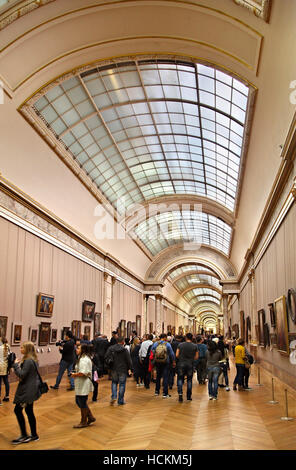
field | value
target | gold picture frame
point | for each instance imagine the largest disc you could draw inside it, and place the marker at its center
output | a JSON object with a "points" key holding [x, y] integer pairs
{"points": [[282, 325]]}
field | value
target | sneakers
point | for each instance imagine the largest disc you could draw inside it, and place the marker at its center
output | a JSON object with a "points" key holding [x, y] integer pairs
{"points": [[166, 396], [227, 389], [138, 385], [189, 399], [180, 398], [31, 438], [112, 401], [20, 440], [215, 398], [54, 387], [211, 398], [70, 389], [156, 394]]}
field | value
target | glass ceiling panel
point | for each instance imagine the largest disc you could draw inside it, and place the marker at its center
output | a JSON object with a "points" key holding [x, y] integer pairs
{"points": [[190, 267], [170, 228], [194, 279], [175, 128]]}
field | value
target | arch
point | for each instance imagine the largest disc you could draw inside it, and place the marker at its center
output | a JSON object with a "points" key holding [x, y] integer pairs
{"points": [[201, 286]]}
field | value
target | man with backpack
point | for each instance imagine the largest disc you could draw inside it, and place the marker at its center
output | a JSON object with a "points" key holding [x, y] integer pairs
{"points": [[119, 362], [163, 355]]}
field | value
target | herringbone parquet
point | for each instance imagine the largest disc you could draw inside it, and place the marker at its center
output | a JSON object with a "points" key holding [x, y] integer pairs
{"points": [[236, 421]]}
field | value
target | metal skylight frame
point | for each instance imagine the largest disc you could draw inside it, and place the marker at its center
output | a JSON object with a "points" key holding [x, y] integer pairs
{"points": [[147, 128]]}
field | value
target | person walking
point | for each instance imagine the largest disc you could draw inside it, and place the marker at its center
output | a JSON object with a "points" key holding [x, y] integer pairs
{"points": [[4, 352], [201, 363], [27, 392], [83, 384], [138, 370], [119, 362], [144, 355], [162, 356], [224, 363], [186, 354], [67, 349], [213, 356]]}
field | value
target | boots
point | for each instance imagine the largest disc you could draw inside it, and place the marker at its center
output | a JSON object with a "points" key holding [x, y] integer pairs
{"points": [[90, 417], [83, 423]]}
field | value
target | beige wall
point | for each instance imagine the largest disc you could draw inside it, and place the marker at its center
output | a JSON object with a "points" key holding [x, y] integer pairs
{"points": [[127, 303]]}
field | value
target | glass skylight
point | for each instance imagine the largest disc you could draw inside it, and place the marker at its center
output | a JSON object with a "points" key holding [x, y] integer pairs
{"points": [[151, 128], [195, 279], [170, 228], [187, 268]]}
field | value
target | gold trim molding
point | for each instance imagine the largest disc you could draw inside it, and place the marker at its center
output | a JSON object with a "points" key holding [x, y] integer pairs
{"points": [[260, 8], [20, 9]]}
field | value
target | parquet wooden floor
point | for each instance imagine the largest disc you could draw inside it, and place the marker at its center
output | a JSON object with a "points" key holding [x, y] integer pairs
{"points": [[236, 421]]}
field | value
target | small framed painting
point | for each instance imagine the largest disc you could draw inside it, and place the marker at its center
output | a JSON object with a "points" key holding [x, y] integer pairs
{"points": [[44, 333], [261, 322], [88, 311], [97, 323], [3, 326], [33, 335], [272, 315], [87, 331], [45, 305], [64, 331], [16, 336], [53, 336], [76, 328]]}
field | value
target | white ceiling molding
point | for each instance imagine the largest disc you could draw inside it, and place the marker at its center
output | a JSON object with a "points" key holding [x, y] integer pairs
{"points": [[260, 8]]}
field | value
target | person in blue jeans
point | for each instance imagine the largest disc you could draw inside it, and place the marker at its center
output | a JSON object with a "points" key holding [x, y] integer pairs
{"points": [[67, 349], [162, 357], [213, 356], [119, 362], [186, 354]]}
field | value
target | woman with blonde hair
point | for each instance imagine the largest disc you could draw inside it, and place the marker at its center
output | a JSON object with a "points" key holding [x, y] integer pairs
{"points": [[27, 392], [4, 352]]}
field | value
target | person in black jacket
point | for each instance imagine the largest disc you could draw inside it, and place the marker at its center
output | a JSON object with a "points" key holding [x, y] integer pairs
{"points": [[119, 361], [27, 392], [67, 360], [100, 345]]}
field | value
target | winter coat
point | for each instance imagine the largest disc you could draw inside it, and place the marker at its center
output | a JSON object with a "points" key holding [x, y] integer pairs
{"points": [[28, 388], [122, 361]]}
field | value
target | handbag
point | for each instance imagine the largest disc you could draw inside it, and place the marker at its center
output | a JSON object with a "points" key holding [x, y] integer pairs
{"points": [[43, 387]]}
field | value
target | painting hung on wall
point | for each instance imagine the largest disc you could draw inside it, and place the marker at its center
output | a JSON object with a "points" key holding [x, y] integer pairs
{"points": [[291, 304], [88, 311], [122, 329], [261, 321], [76, 328], [64, 331], [45, 305], [97, 323], [266, 335], [257, 332], [33, 335], [129, 329], [16, 334], [272, 315], [282, 325], [242, 324], [87, 332], [3, 326], [138, 324], [44, 334], [54, 336], [150, 328]]}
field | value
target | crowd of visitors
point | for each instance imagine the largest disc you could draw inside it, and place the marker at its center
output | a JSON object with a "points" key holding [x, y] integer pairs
{"points": [[149, 359]]}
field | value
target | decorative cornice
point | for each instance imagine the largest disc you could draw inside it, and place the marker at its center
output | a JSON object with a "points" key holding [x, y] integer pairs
{"points": [[13, 13], [260, 8]]}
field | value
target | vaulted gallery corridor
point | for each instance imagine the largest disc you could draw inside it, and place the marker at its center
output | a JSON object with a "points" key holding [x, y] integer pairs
{"points": [[147, 184]]}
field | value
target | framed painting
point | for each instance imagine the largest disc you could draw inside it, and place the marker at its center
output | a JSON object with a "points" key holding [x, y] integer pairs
{"points": [[64, 331], [97, 323], [134, 326], [122, 328], [33, 335], [76, 328], [291, 304], [261, 321], [3, 326], [138, 325], [88, 311], [16, 334], [173, 330], [129, 329], [242, 324], [257, 332], [282, 325], [44, 334], [45, 305], [272, 315], [87, 331], [53, 336], [266, 335]]}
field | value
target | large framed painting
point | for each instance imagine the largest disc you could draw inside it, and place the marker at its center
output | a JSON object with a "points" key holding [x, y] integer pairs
{"points": [[3, 326], [76, 328], [272, 315], [282, 325], [45, 305], [261, 321], [97, 323], [88, 311], [44, 334], [16, 334]]}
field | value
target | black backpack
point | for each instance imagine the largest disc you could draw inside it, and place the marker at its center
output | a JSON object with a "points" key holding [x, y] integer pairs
{"points": [[109, 360], [10, 360], [250, 359]]}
